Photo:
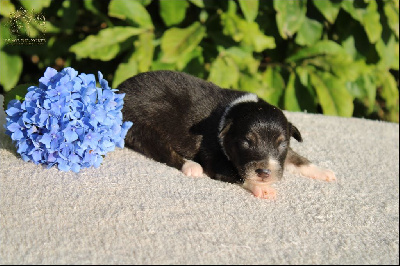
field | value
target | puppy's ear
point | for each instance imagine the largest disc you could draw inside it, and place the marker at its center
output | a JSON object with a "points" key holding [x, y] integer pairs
{"points": [[225, 129], [295, 133]]}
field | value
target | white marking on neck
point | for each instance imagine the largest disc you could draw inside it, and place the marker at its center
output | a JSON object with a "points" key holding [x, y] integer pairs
{"points": [[248, 97]]}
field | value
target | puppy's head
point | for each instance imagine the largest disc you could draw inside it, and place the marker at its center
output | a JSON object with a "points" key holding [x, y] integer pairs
{"points": [[255, 136]]}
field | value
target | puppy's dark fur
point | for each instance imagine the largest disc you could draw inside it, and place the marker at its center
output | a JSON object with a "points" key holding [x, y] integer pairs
{"points": [[196, 126]]}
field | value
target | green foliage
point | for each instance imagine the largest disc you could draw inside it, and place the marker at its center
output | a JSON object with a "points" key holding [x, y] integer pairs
{"points": [[336, 57], [11, 70]]}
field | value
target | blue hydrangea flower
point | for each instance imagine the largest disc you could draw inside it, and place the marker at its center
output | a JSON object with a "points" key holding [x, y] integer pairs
{"points": [[67, 120]]}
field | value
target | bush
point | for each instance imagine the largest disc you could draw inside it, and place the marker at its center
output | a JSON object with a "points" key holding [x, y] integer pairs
{"points": [[324, 56]]}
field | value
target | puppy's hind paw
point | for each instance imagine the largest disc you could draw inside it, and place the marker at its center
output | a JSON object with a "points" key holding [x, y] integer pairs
{"points": [[326, 175], [191, 168], [313, 171]]}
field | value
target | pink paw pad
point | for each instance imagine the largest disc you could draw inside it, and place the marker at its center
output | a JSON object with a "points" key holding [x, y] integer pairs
{"points": [[260, 190], [191, 168], [265, 192]]}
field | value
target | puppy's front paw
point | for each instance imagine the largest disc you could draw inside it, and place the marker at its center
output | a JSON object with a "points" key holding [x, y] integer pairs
{"points": [[191, 168], [314, 172], [260, 190]]}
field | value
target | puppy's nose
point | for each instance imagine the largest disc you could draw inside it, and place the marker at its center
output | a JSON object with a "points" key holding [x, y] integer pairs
{"points": [[263, 172]]}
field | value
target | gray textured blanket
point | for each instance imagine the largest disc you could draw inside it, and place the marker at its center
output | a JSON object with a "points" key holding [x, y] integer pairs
{"points": [[134, 210]]}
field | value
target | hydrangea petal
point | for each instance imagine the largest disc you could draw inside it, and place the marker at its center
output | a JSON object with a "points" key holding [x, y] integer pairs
{"points": [[17, 135], [87, 79], [70, 134], [13, 127], [46, 139], [67, 121], [36, 155], [72, 73], [23, 146], [51, 158], [12, 111], [100, 115], [48, 74], [63, 165], [75, 167]]}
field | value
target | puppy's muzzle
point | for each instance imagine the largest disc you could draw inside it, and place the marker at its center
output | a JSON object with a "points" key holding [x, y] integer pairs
{"points": [[263, 173]]}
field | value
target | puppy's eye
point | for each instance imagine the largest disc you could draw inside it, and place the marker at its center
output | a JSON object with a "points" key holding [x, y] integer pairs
{"points": [[246, 143], [282, 145], [280, 142]]}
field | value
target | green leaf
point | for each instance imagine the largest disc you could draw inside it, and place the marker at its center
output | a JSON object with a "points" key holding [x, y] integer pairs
{"points": [[389, 91], [290, 15], [320, 48], [371, 22], [329, 9], [332, 94], [184, 60], [5, 33], [10, 71], [396, 56], [132, 11], [356, 13], [106, 44], [173, 11], [387, 53], [144, 2], [349, 44], [290, 100], [344, 67], [243, 58], [368, 17], [94, 6], [138, 61], [144, 50], [238, 53], [255, 38], [35, 6], [198, 3], [219, 69], [17, 93], [251, 83], [340, 64], [248, 33], [159, 65], [232, 23], [195, 65], [305, 92], [299, 94], [392, 14], [363, 88], [125, 70], [275, 85], [249, 9], [309, 33], [6, 8], [177, 42]]}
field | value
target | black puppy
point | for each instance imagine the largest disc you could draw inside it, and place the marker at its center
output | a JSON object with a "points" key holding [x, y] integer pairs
{"points": [[197, 127]]}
